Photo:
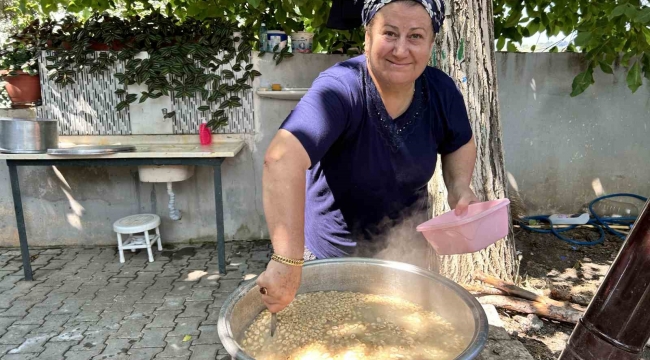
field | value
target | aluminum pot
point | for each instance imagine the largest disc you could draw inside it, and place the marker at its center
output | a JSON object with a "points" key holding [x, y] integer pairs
{"points": [[25, 136], [431, 291]]}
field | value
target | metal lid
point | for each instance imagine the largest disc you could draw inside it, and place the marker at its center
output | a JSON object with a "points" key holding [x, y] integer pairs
{"points": [[91, 150]]}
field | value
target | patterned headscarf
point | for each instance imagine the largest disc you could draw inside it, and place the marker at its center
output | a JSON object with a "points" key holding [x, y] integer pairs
{"points": [[435, 8]]}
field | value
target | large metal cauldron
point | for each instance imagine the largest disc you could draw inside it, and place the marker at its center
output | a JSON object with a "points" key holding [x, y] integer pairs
{"points": [[411, 283], [26, 136]]}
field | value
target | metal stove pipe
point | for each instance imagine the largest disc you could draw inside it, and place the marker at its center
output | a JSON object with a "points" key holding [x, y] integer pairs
{"points": [[616, 323]]}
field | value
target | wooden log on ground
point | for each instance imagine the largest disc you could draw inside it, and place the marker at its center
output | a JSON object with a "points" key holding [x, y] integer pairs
{"points": [[564, 313], [483, 290], [515, 290]]}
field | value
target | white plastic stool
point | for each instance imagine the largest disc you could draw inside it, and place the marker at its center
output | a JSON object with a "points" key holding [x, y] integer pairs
{"points": [[136, 224]]}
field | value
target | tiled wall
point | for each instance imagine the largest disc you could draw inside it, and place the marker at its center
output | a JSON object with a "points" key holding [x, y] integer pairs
{"points": [[88, 106]]}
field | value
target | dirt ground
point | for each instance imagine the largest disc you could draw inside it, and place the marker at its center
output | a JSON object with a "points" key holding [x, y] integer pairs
{"points": [[576, 270]]}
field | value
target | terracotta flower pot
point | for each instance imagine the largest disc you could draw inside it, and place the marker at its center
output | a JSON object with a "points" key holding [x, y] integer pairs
{"points": [[22, 88]]}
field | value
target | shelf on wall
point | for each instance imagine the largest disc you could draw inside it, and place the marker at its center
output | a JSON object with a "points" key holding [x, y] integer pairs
{"points": [[284, 94]]}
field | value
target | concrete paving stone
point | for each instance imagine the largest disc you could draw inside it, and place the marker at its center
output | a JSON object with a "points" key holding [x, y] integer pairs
{"points": [[16, 334], [195, 309], [16, 310], [144, 353], [36, 315], [55, 351], [164, 319], [228, 286], [9, 281], [191, 276], [204, 352], [53, 323], [19, 356], [32, 344], [87, 292], [156, 297], [103, 275], [70, 307], [131, 329], [128, 272], [145, 277], [5, 322], [164, 282], [263, 255], [145, 309], [116, 347], [4, 273], [130, 297], [152, 338], [186, 326], [42, 259], [68, 287], [75, 333], [39, 291], [197, 264], [55, 264], [176, 347], [52, 251], [171, 271], [172, 303], [213, 316], [53, 299], [110, 320], [87, 316], [82, 355], [5, 348], [93, 341], [183, 289], [201, 294], [219, 299], [211, 280], [6, 301], [208, 336]]}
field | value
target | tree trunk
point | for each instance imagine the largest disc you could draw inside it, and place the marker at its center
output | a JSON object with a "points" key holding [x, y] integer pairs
{"points": [[465, 51]]}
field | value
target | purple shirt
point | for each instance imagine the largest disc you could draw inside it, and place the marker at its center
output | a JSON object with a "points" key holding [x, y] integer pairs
{"points": [[369, 172]]}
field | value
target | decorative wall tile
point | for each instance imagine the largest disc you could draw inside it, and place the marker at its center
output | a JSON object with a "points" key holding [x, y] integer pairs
{"points": [[88, 106]]}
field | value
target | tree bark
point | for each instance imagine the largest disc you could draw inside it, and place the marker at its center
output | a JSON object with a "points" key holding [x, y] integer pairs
{"points": [[465, 51]]}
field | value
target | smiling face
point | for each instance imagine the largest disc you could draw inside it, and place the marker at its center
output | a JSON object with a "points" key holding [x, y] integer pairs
{"points": [[399, 41]]}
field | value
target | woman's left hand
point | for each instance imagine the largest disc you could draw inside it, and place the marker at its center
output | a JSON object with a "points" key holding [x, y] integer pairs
{"points": [[460, 198]]}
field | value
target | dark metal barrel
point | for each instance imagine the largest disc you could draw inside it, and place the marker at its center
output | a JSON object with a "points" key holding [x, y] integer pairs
{"points": [[616, 323]]}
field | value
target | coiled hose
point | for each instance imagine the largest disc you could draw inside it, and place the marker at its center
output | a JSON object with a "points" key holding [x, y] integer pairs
{"points": [[600, 223]]}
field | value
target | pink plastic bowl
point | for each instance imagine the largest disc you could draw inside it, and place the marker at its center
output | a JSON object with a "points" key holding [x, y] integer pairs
{"points": [[482, 225]]}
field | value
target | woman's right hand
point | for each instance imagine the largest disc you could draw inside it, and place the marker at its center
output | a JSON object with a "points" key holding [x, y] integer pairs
{"points": [[281, 282]]}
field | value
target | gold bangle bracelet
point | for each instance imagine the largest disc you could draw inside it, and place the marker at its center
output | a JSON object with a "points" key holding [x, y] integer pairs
{"points": [[284, 260]]}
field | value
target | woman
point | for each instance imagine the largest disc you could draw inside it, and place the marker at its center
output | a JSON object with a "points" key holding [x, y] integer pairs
{"points": [[350, 165]]}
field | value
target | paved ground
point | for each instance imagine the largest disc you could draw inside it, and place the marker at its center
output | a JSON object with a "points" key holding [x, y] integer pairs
{"points": [[84, 304]]}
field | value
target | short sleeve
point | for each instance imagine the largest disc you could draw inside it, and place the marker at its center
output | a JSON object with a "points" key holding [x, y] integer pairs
{"points": [[457, 130], [321, 116]]}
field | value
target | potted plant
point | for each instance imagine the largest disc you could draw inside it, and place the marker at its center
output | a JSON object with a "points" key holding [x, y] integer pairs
{"points": [[19, 70]]}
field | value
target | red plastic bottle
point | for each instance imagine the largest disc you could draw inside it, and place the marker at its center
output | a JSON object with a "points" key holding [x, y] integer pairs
{"points": [[205, 135]]}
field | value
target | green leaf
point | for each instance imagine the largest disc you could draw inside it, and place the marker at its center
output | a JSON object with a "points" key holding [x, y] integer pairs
{"points": [[249, 66], [582, 81], [204, 108], [227, 74], [643, 16], [170, 114], [619, 10], [583, 38], [646, 33], [605, 67], [254, 3], [120, 92], [533, 48], [187, 338], [512, 47], [634, 77]]}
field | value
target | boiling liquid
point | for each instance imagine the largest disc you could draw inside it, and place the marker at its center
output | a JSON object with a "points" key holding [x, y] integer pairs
{"points": [[348, 325]]}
